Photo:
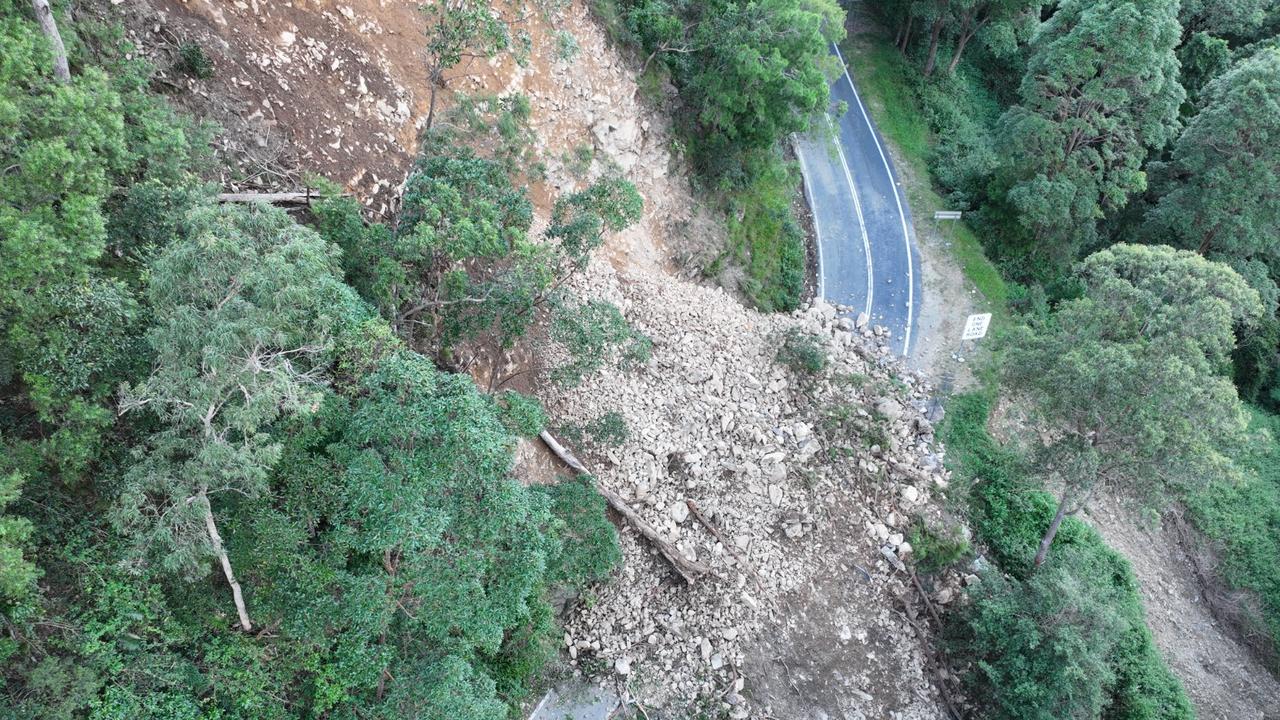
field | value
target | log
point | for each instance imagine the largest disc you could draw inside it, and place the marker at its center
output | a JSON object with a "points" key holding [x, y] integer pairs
{"points": [[49, 26], [302, 197], [690, 570], [729, 547]]}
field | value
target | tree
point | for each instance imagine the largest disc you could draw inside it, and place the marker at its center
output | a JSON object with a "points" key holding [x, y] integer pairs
{"points": [[245, 313], [458, 209], [17, 573], [1101, 90], [419, 552], [1239, 18], [762, 72], [457, 30], [1042, 647], [1203, 57], [1001, 20], [1220, 190], [749, 71], [1130, 381]]}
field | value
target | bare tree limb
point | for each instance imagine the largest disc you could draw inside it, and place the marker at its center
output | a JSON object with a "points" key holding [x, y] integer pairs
{"points": [[690, 570], [302, 197], [729, 547], [216, 539]]}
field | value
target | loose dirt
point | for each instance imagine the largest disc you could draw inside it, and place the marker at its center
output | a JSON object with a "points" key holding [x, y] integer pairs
{"points": [[1222, 676]]}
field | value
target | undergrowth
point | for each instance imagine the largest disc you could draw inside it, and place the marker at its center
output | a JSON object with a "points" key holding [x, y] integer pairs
{"points": [[1244, 520], [1042, 671]]}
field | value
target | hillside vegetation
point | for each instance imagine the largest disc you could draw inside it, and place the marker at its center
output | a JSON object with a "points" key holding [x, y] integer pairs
{"points": [[1105, 155]]}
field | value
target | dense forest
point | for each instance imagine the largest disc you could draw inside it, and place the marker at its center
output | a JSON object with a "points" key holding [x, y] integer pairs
{"points": [[258, 464], [1117, 160]]}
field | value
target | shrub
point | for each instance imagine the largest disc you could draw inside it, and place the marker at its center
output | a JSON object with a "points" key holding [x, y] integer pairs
{"points": [[1008, 514], [935, 548], [1244, 519], [1041, 648], [803, 353], [588, 541], [595, 334], [193, 60]]}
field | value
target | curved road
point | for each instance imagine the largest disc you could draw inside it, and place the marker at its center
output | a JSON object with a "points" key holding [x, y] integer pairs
{"points": [[867, 256]]}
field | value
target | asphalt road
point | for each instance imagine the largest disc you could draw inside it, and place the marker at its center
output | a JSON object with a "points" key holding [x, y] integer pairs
{"points": [[867, 256]]}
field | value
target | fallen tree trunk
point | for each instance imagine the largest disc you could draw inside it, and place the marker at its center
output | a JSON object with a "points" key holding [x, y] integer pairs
{"points": [[49, 26], [729, 547], [303, 197], [690, 570]]}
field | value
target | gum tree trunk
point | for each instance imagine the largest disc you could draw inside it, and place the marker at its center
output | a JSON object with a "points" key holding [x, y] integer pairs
{"points": [[50, 28], [221, 552], [1047, 540]]}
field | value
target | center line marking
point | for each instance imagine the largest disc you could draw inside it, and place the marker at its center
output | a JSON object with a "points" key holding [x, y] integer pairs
{"points": [[862, 224], [902, 216]]}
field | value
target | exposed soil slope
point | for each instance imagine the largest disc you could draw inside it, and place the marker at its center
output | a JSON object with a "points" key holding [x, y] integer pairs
{"points": [[1222, 676]]}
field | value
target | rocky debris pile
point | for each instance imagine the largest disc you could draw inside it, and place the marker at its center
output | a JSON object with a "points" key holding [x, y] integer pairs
{"points": [[769, 456]]}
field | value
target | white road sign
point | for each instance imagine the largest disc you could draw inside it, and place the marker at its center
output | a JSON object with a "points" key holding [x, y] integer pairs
{"points": [[976, 326]]}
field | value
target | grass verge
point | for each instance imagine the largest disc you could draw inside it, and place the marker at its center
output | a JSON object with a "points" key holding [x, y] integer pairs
{"points": [[887, 85]]}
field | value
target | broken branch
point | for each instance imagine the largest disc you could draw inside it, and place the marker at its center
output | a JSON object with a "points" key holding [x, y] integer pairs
{"points": [[690, 570]]}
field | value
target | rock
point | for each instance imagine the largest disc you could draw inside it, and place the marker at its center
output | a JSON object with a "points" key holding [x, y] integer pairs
{"points": [[862, 321], [970, 580], [794, 530], [910, 494], [623, 665], [775, 495], [679, 511], [905, 549], [729, 633], [887, 553], [943, 596], [717, 661], [891, 409], [896, 539], [880, 531], [705, 647]]}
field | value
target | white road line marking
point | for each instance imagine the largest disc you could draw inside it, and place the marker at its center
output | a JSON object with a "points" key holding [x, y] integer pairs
{"points": [[804, 177], [862, 223], [902, 216]]}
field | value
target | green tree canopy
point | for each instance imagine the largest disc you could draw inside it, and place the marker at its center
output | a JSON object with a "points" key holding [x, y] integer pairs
{"points": [[1238, 18], [245, 314], [1220, 190], [408, 553], [1101, 90], [749, 71], [1130, 381], [1042, 646]]}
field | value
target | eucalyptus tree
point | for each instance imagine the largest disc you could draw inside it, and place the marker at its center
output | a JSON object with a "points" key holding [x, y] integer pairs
{"points": [[457, 30], [245, 311], [1220, 190], [1130, 382], [1100, 92]]}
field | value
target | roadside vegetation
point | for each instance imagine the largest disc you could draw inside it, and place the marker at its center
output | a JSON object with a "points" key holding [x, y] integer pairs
{"points": [[748, 75], [1106, 156]]}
